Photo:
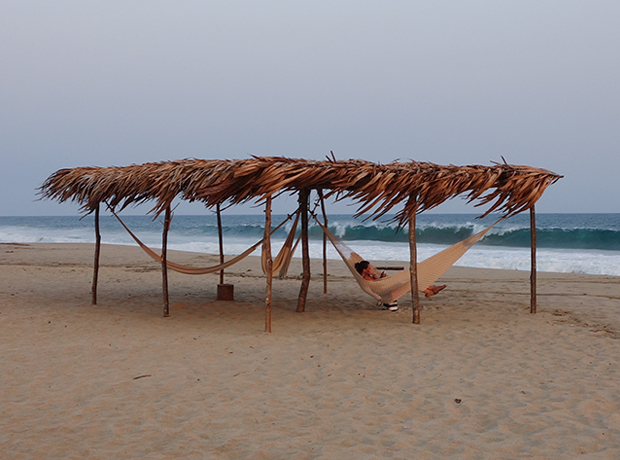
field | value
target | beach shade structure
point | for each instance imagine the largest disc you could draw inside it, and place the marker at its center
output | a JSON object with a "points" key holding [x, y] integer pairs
{"points": [[403, 188]]}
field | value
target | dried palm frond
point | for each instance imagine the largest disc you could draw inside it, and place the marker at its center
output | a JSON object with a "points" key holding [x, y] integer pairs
{"points": [[376, 188]]}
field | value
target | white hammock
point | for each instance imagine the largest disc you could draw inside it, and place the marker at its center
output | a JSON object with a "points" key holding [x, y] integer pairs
{"points": [[390, 288]]}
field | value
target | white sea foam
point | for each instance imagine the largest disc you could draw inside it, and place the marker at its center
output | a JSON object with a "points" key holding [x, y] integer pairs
{"points": [[40, 235], [559, 261]]}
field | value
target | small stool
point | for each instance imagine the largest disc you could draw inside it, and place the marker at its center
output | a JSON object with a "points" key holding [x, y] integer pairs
{"points": [[225, 291]]}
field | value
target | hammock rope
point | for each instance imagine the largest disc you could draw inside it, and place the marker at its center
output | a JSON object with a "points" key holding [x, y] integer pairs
{"points": [[390, 288]]}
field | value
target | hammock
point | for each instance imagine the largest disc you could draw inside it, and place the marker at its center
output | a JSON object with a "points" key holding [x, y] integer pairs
{"points": [[390, 288], [196, 270], [282, 261]]}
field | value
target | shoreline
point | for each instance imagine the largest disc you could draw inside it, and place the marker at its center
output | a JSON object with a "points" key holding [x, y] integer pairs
{"points": [[565, 244], [480, 377]]}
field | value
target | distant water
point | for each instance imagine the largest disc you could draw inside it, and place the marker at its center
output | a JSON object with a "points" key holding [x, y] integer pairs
{"points": [[567, 243]]}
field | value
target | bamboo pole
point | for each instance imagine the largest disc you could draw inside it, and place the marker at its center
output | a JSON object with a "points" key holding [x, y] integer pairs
{"points": [[324, 242], [221, 240], [305, 283], [413, 258], [164, 265], [533, 260], [269, 260], [97, 253]]}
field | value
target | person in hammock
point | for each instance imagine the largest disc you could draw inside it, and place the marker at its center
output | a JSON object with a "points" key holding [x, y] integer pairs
{"points": [[366, 270]]}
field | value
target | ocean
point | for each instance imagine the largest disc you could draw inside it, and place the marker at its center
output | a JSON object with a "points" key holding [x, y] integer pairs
{"points": [[567, 243]]}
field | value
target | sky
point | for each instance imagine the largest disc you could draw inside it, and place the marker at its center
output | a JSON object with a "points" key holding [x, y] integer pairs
{"points": [[87, 83]]}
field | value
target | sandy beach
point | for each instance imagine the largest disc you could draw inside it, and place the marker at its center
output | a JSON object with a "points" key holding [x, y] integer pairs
{"points": [[480, 378]]}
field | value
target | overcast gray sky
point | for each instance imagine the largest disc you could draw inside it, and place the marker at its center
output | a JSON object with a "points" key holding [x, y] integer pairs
{"points": [[116, 82]]}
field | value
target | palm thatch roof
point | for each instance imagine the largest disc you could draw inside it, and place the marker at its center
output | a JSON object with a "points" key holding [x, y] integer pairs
{"points": [[377, 189]]}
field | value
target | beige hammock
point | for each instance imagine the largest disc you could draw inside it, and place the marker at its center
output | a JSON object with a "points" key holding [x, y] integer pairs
{"points": [[213, 269], [282, 261], [390, 288]]}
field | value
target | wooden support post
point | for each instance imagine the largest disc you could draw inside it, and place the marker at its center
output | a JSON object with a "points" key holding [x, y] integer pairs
{"points": [[97, 253], [269, 260], [533, 257], [413, 257], [305, 251], [164, 260], [324, 242], [224, 291], [221, 241]]}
